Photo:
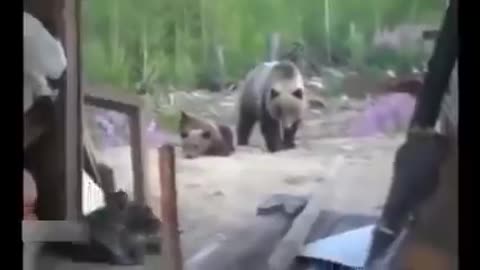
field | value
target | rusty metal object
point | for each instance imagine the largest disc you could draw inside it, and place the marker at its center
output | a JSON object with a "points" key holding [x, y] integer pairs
{"points": [[170, 233]]}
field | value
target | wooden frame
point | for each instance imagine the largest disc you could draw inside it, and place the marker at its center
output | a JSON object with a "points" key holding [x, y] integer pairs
{"points": [[56, 159], [73, 104], [132, 107]]}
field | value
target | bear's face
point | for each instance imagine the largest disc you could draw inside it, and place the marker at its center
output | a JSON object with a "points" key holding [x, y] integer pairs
{"points": [[287, 102], [195, 142]]}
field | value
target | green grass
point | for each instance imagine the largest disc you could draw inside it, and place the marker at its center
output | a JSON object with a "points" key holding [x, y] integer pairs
{"points": [[156, 43]]}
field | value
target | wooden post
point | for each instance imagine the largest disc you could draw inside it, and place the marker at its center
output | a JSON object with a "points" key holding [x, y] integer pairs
{"points": [[273, 43], [47, 158], [138, 153], [73, 111], [170, 234]]}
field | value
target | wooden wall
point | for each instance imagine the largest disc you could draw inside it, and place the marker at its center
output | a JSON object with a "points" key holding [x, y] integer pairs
{"points": [[55, 159]]}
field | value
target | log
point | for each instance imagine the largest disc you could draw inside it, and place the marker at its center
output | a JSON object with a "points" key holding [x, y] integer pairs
{"points": [[293, 242]]}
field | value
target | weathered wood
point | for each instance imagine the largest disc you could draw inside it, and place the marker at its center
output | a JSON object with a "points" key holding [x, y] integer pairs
{"points": [[37, 120], [73, 111], [53, 231], [47, 158], [138, 152], [31, 252], [130, 105], [291, 245], [104, 97], [170, 233]]}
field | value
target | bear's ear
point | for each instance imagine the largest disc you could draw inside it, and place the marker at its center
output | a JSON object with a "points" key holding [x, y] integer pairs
{"points": [[298, 93], [184, 115], [274, 93], [184, 119], [206, 134]]}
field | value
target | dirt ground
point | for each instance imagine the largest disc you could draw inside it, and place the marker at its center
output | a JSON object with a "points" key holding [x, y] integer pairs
{"points": [[219, 194]]}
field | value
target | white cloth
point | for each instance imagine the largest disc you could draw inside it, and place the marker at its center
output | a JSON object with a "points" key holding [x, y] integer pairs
{"points": [[43, 57]]}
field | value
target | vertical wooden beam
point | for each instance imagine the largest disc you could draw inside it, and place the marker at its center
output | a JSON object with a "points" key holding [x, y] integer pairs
{"points": [[138, 152], [46, 157], [72, 108], [170, 233]]}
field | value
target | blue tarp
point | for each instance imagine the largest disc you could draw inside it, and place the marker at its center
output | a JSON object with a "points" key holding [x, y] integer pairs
{"points": [[349, 248]]}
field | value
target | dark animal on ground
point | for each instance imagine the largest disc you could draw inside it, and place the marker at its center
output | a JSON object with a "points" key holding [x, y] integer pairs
{"points": [[119, 233], [202, 137]]}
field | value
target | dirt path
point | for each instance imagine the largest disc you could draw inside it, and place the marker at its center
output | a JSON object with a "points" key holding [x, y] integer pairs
{"points": [[218, 194]]}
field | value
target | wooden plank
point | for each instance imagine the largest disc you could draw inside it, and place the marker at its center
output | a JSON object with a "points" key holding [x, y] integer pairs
{"points": [[138, 153], [73, 111], [170, 233], [53, 231], [45, 158], [104, 97]]}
